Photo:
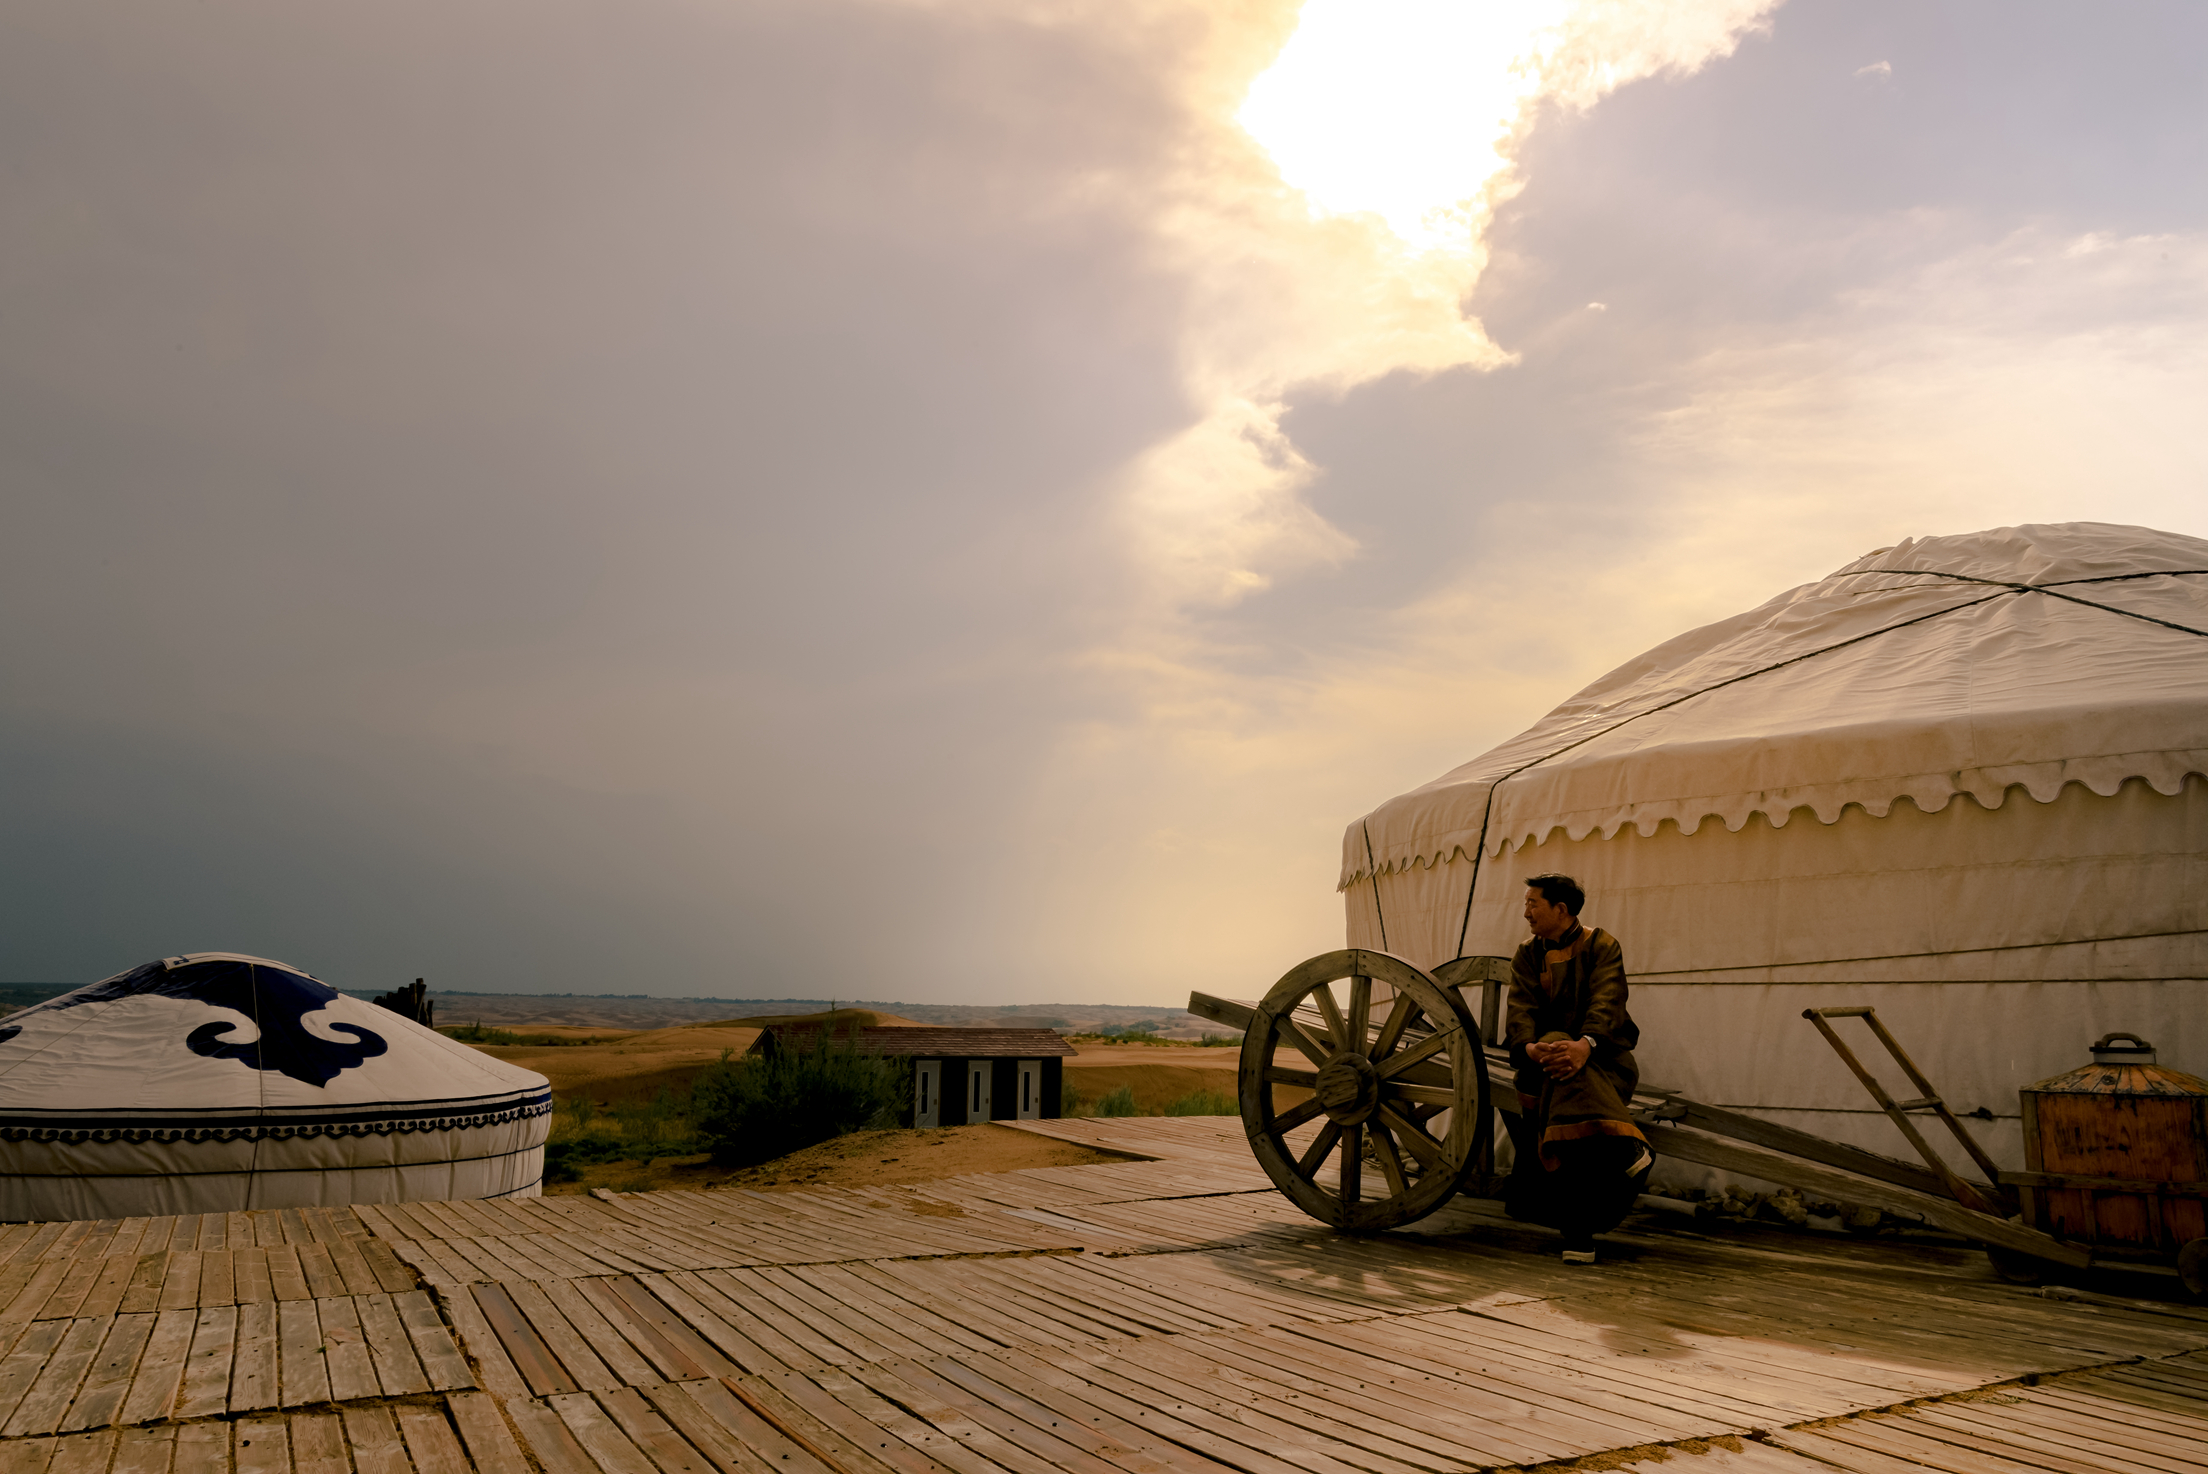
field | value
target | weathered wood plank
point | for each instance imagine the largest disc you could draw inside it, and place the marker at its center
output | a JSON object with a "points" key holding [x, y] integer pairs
{"points": [[180, 1282], [202, 1448], [83, 1453], [374, 1439], [490, 1444], [641, 1424], [487, 1358], [608, 1448], [145, 1451], [530, 1357], [206, 1389], [143, 1292], [548, 1440], [318, 1444], [627, 1364], [287, 1281], [108, 1381], [43, 1406], [397, 1368], [251, 1275], [583, 1365], [262, 1446], [303, 1369], [253, 1366], [429, 1441], [442, 1364], [345, 1350]]}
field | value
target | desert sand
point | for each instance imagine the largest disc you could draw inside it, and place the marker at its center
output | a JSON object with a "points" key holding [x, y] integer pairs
{"points": [[611, 1066], [862, 1159]]}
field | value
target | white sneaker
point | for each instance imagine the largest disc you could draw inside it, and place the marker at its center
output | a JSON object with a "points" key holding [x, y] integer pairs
{"points": [[1579, 1256], [1641, 1163]]}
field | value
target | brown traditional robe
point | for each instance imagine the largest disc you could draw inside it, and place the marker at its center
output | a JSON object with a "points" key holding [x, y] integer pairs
{"points": [[1574, 988]]}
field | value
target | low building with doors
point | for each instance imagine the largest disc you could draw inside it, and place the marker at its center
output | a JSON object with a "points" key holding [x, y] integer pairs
{"points": [[959, 1076]]}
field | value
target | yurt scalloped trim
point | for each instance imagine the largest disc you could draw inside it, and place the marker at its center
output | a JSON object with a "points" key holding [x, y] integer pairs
{"points": [[2165, 772]]}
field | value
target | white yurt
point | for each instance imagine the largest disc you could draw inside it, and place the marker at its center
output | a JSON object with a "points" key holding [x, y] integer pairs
{"points": [[215, 1082], [1960, 780]]}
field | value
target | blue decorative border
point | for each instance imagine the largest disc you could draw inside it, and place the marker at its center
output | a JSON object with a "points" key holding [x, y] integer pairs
{"points": [[78, 1126]]}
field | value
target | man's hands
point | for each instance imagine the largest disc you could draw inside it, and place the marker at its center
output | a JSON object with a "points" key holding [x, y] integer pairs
{"points": [[1562, 1059]]}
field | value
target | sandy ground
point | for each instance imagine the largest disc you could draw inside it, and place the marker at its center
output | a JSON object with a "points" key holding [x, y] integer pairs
{"points": [[1158, 1075], [862, 1159], [630, 1067], [634, 1066]]}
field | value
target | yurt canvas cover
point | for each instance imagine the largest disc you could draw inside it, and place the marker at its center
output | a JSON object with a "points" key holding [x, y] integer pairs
{"points": [[216, 1082], [1960, 780]]}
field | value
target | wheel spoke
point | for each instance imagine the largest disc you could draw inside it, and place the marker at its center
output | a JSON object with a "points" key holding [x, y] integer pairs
{"points": [[1360, 1014], [1391, 1164], [1331, 1011], [1392, 1030], [1424, 1049], [1296, 1034], [1282, 1075], [1353, 1165], [1309, 1163], [1296, 1115], [1422, 1146], [1432, 1095]]}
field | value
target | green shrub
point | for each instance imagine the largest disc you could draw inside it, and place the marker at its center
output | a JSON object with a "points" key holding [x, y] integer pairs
{"points": [[477, 1034], [1120, 1102], [1204, 1103], [1221, 1041], [756, 1109], [585, 1135], [1071, 1102]]}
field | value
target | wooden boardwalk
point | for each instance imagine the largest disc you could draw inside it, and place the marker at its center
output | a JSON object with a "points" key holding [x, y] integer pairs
{"points": [[1157, 1316]]}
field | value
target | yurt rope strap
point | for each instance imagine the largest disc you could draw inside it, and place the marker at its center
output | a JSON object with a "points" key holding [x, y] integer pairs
{"points": [[2001, 587], [2050, 589], [1373, 867]]}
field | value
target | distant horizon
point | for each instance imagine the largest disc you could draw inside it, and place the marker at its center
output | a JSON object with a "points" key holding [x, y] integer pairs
{"points": [[838, 1003]]}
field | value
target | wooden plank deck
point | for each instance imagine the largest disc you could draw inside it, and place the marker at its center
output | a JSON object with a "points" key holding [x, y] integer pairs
{"points": [[1160, 1315]]}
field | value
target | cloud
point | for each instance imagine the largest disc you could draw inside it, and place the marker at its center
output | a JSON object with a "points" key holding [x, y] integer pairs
{"points": [[1343, 252], [908, 499]]}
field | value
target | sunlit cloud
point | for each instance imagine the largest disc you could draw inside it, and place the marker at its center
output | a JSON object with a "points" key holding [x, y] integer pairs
{"points": [[1332, 229]]}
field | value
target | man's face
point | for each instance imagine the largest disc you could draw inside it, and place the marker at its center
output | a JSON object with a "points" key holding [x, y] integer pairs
{"points": [[1548, 921]]}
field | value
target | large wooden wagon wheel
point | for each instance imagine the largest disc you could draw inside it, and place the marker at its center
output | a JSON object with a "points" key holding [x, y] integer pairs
{"points": [[1382, 1084]]}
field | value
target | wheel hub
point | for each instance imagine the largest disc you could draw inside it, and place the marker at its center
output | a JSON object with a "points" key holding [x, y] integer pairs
{"points": [[1348, 1089]]}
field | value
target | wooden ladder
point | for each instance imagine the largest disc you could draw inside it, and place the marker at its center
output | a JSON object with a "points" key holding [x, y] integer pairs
{"points": [[1900, 1111]]}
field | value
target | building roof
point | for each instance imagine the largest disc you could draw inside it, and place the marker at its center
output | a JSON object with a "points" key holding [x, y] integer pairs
{"points": [[925, 1042]]}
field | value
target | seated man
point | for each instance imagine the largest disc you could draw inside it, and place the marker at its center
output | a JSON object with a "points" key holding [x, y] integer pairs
{"points": [[1581, 1160]]}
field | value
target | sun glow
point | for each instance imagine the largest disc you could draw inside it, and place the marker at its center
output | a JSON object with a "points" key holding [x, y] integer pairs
{"points": [[1401, 108]]}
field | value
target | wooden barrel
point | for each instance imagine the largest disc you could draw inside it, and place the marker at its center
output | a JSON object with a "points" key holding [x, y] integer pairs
{"points": [[2122, 1119]]}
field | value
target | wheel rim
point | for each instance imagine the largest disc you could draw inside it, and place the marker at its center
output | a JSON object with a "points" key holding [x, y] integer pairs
{"points": [[1380, 1080]]}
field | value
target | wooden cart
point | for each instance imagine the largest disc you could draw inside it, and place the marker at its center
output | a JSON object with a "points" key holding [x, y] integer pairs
{"points": [[2115, 1155], [1411, 1076]]}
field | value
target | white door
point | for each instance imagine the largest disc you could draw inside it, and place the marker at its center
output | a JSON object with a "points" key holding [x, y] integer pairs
{"points": [[977, 1090], [927, 1092], [1031, 1089]]}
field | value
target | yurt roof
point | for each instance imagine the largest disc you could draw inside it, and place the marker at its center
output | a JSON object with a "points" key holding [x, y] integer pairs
{"points": [[2032, 656], [224, 1034]]}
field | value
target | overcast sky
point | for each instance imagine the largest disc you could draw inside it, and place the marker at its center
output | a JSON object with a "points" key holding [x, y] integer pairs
{"points": [[766, 498]]}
